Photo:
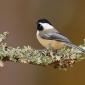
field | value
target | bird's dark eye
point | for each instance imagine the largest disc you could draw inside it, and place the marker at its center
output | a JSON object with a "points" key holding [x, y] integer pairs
{"points": [[39, 27]]}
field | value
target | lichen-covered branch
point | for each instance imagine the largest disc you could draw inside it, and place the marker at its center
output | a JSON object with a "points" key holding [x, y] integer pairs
{"points": [[63, 58]]}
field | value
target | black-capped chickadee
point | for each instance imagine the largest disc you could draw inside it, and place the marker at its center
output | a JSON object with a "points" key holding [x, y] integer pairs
{"points": [[47, 35]]}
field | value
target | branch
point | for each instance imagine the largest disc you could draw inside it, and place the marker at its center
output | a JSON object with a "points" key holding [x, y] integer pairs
{"points": [[63, 58]]}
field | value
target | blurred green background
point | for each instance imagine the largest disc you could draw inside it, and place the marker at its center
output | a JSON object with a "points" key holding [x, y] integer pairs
{"points": [[19, 18]]}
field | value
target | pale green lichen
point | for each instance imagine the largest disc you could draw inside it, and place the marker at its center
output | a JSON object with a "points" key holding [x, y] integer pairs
{"points": [[63, 58]]}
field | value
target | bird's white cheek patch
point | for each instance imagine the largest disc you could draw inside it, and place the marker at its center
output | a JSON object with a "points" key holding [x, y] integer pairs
{"points": [[47, 26]]}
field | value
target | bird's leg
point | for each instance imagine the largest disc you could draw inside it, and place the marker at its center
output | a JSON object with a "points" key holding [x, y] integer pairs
{"points": [[54, 51]]}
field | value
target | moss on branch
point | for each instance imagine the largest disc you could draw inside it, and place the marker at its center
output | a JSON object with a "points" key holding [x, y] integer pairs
{"points": [[63, 58]]}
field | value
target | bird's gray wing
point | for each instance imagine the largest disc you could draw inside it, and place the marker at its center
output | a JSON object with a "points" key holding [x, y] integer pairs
{"points": [[53, 35]]}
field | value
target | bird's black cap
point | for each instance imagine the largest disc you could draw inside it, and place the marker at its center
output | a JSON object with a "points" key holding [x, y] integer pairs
{"points": [[43, 21]]}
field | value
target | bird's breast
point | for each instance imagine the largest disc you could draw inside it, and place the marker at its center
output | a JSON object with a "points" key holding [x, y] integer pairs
{"points": [[52, 43]]}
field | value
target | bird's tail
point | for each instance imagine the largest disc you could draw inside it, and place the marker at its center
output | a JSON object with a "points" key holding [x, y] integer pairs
{"points": [[76, 47]]}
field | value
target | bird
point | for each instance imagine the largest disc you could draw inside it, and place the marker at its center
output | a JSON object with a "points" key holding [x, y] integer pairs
{"points": [[49, 36]]}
